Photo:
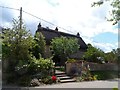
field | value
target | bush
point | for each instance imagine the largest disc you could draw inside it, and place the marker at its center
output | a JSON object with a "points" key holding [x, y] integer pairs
{"points": [[42, 66], [47, 80], [70, 61], [103, 75], [24, 80], [10, 78]]}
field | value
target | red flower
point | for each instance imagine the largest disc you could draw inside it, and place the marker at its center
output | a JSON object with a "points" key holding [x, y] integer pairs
{"points": [[54, 78]]}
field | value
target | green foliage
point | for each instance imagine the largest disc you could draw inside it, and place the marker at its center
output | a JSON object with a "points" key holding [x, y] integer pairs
{"points": [[115, 11], [113, 56], [42, 66], [24, 80], [71, 60], [16, 44], [104, 75], [20, 50], [115, 89], [63, 47], [85, 74], [93, 53], [10, 78], [39, 43], [47, 80]]}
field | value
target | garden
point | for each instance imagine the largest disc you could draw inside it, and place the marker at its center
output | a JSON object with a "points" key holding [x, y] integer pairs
{"points": [[89, 71], [24, 63], [23, 58]]}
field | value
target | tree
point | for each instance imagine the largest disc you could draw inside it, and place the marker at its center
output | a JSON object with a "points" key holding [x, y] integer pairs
{"points": [[113, 56], [115, 11], [19, 48], [93, 54], [38, 49], [63, 47], [15, 45]]}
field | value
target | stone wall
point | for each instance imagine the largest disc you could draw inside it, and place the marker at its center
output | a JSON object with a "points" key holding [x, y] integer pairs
{"points": [[76, 67], [106, 66]]}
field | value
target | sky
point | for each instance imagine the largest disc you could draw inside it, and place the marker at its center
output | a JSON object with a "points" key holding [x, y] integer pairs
{"points": [[73, 15]]}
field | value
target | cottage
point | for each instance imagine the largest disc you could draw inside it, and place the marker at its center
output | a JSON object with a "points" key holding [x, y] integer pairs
{"points": [[49, 34]]}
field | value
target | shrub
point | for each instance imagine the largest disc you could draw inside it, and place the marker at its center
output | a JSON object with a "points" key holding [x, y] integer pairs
{"points": [[10, 78], [24, 80], [70, 61], [47, 80], [85, 74], [38, 46], [42, 66], [103, 75]]}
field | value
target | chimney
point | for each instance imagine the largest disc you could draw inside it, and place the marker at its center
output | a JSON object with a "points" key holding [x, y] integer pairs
{"points": [[56, 29], [39, 26], [78, 34]]}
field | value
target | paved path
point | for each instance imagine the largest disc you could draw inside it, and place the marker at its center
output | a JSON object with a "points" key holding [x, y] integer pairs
{"points": [[89, 84]]}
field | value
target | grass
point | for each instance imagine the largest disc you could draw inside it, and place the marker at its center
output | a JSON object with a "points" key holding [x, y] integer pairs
{"points": [[115, 89]]}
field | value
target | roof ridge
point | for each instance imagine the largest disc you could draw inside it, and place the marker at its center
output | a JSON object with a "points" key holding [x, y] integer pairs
{"points": [[51, 30]]}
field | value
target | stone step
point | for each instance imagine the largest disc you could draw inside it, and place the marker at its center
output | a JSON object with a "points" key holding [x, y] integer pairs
{"points": [[61, 75], [67, 80], [64, 78]]}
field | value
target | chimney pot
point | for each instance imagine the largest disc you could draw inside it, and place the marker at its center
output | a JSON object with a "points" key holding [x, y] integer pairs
{"points": [[78, 34], [56, 29], [39, 25]]}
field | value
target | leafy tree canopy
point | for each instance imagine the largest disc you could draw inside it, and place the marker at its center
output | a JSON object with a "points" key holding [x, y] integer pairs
{"points": [[38, 49], [16, 43], [63, 47], [113, 56], [115, 11], [93, 54]]}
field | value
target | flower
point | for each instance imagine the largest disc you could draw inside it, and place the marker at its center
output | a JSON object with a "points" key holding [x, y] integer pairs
{"points": [[54, 78]]}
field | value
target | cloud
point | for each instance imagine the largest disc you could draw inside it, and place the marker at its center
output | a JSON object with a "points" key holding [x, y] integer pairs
{"points": [[73, 15], [106, 47]]}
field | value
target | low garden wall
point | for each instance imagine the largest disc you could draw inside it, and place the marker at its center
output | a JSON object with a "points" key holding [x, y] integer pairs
{"points": [[76, 67], [103, 67]]}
